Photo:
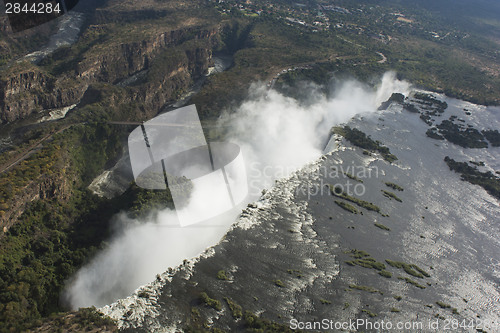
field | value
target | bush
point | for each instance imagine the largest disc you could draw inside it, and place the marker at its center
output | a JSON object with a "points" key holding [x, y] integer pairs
{"points": [[394, 186], [411, 269], [486, 180], [443, 305], [255, 324], [213, 303], [221, 275], [410, 281], [279, 283], [385, 274], [383, 227], [365, 288], [236, 310], [369, 313], [337, 192], [361, 140], [391, 195]]}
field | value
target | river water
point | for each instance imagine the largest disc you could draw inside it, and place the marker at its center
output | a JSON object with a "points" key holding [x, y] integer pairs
{"points": [[69, 29], [444, 225]]}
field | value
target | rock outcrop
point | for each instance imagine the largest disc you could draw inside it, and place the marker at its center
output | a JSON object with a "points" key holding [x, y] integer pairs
{"points": [[32, 91], [29, 89], [55, 186]]}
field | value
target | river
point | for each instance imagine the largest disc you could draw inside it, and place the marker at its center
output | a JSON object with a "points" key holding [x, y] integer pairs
{"points": [[444, 225]]}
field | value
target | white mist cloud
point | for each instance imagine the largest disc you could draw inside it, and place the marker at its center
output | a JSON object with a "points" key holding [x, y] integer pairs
{"points": [[277, 135]]}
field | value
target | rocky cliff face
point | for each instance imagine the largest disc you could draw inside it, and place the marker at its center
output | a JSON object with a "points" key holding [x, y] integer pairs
{"points": [[122, 60], [162, 85], [172, 60], [179, 76], [55, 186], [29, 90], [33, 91]]}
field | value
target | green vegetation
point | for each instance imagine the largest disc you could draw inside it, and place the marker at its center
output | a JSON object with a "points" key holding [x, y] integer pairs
{"points": [[383, 227], [480, 163], [395, 97], [348, 175], [52, 238], [337, 192], [410, 108], [437, 315], [255, 324], [369, 263], [493, 136], [251, 322], [391, 195], [363, 259], [52, 160], [431, 49], [358, 253], [361, 140], [57, 233], [365, 288], [236, 310], [443, 305], [346, 206], [394, 186], [466, 137], [279, 283], [217, 330], [486, 180], [221, 275], [398, 298], [421, 271], [430, 107], [258, 56], [324, 301], [369, 313], [429, 100], [83, 320], [407, 268], [144, 201], [395, 310], [213, 303], [410, 281], [195, 312], [295, 272], [385, 274], [411, 269], [433, 134]]}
